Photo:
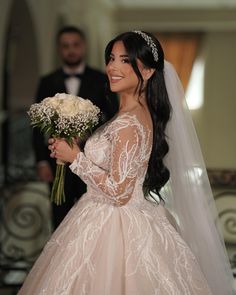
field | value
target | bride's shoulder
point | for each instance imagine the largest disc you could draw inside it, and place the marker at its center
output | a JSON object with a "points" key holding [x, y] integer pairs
{"points": [[124, 120], [125, 117]]}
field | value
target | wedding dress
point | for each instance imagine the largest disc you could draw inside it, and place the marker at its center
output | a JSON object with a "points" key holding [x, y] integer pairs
{"points": [[114, 241]]}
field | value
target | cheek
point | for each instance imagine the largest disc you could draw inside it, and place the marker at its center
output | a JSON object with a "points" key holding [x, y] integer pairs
{"points": [[65, 51], [133, 78], [107, 68], [80, 49], [130, 72]]}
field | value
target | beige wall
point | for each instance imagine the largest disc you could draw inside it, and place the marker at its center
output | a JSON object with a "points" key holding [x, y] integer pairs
{"points": [[216, 120]]}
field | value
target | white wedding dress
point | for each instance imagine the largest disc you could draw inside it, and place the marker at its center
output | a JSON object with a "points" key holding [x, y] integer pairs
{"points": [[114, 241]]}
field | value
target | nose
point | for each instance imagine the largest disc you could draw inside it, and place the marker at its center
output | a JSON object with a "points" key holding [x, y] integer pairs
{"points": [[112, 65]]}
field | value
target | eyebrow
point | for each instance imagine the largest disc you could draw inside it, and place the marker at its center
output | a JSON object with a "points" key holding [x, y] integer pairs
{"points": [[122, 55]]}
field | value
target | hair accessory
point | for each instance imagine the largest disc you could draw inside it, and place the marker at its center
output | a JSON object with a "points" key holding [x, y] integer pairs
{"points": [[150, 43]]}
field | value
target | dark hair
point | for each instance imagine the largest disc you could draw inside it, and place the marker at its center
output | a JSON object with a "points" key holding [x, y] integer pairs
{"points": [[158, 103], [71, 29]]}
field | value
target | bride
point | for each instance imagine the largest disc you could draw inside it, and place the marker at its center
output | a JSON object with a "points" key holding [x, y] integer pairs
{"points": [[120, 239]]}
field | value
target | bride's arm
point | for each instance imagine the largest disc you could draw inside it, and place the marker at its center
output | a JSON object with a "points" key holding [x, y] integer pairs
{"points": [[118, 183]]}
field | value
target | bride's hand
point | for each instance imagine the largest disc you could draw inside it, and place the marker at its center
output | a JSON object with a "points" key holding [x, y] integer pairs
{"points": [[60, 149]]}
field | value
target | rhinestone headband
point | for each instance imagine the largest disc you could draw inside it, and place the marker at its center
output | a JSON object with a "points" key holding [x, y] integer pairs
{"points": [[150, 43]]}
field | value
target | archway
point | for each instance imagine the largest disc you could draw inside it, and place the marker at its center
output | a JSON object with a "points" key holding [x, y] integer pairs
{"points": [[20, 78]]}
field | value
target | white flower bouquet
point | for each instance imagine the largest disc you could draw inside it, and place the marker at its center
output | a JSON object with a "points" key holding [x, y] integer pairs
{"points": [[63, 116]]}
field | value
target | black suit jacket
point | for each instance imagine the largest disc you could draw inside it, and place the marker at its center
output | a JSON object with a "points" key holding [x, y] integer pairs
{"points": [[94, 86]]}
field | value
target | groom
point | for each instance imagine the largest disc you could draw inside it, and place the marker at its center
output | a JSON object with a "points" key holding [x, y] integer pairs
{"points": [[77, 78]]}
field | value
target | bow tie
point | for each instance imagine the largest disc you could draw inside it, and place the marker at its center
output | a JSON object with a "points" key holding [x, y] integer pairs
{"points": [[78, 75]]}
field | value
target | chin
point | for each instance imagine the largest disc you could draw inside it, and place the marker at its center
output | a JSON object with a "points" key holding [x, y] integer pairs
{"points": [[72, 63], [115, 89]]}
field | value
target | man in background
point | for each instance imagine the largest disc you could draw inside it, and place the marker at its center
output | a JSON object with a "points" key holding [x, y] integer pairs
{"points": [[78, 78]]}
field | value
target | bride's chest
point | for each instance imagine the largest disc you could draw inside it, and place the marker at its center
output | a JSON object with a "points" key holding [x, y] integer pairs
{"points": [[98, 149]]}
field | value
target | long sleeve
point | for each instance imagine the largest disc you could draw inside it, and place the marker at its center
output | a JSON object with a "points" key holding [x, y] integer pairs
{"points": [[118, 183]]}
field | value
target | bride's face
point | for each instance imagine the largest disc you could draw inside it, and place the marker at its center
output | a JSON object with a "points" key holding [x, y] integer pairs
{"points": [[121, 75]]}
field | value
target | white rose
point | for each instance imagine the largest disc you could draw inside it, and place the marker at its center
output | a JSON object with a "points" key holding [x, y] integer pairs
{"points": [[85, 105], [68, 108], [69, 105], [52, 101]]}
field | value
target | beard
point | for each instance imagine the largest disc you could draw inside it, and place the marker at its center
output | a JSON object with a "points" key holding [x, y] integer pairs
{"points": [[70, 62]]}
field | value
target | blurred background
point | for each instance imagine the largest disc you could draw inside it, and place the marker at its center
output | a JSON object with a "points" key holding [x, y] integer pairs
{"points": [[199, 38]]}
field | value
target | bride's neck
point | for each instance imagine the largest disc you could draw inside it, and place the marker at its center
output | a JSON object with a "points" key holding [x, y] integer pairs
{"points": [[130, 102]]}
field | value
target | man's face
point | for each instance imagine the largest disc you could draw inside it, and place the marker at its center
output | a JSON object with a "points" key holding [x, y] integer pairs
{"points": [[71, 49]]}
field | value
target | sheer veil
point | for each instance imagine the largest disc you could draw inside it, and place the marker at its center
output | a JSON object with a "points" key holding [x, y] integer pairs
{"points": [[188, 194]]}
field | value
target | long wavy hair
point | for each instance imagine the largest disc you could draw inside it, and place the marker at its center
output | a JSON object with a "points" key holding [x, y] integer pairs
{"points": [[157, 99]]}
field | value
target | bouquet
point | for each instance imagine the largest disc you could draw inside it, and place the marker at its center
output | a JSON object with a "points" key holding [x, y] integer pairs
{"points": [[63, 116]]}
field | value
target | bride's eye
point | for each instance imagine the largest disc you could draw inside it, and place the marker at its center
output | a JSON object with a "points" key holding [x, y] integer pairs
{"points": [[111, 58], [125, 61]]}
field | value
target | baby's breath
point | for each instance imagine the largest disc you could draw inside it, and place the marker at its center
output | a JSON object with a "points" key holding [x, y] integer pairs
{"points": [[63, 116]]}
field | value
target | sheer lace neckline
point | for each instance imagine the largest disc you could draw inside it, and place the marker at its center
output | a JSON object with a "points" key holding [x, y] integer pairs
{"points": [[130, 115]]}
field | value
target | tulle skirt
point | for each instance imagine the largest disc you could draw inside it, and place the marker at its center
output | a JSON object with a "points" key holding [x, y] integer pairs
{"points": [[101, 249]]}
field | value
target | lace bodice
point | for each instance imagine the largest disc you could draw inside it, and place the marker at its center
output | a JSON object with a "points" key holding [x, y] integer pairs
{"points": [[115, 159]]}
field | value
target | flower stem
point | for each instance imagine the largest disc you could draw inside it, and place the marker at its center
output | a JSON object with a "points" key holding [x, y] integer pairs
{"points": [[57, 193]]}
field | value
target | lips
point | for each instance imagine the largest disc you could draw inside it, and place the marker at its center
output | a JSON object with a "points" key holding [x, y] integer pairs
{"points": [[114, 79]]}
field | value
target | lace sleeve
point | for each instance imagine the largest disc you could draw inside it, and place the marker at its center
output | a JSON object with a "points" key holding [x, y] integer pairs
{"points": [[117, 184]]}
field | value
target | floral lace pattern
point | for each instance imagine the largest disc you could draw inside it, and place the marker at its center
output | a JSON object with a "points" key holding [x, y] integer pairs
{"points": [[113, 241], [126, 160]]}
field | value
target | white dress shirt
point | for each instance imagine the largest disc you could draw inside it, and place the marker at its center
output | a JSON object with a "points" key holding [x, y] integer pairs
{"points": [[73, 83]]}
